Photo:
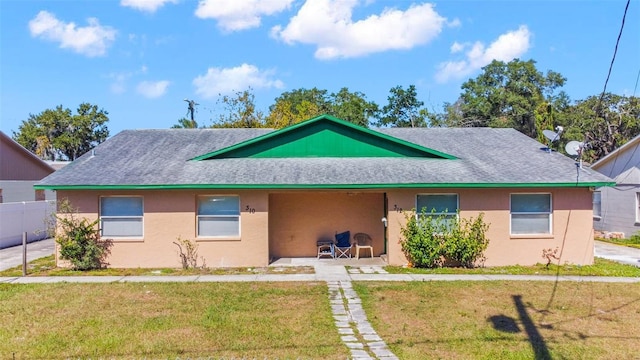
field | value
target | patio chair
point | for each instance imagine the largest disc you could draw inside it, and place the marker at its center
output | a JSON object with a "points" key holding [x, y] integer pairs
{"points": [[362, 241], [325, 248], [343, 245]]}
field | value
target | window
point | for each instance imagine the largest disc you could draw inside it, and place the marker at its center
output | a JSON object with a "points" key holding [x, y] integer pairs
{"points": [[121, 216], [443, 206], [597, 204], [530, 213], [218, 216], [637, 207]]}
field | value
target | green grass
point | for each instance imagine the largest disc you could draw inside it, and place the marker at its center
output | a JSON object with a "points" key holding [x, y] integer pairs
{"points": [[601, 267], [46, 266], [168, 320], [633, 242], [505, 319]]}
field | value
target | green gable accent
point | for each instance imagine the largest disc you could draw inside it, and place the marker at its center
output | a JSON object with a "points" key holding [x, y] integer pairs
{"points": [[324, 136]]}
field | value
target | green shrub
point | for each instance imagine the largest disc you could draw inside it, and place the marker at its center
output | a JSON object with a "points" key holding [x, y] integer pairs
{"points": [[79, 239], [423, 243], [432, 240], [467, 242]]}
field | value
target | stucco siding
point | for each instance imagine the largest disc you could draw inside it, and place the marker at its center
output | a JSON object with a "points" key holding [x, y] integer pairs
{"points": [[172, 214], [572, 231], [298, 220], [618, 210], [277, 224]]}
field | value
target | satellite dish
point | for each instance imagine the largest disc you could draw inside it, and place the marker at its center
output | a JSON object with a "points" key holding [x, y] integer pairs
{"points": [[553, 136], [550, 135], [574, 148]]}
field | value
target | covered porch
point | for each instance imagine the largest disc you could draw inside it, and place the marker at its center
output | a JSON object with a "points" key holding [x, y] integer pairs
{"points": [[314, 261], [299, 220]]}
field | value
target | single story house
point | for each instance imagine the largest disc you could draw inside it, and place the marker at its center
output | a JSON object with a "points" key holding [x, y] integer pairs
{"points": [[616, 210], [249, 196], [19, 170], [22, 209]]}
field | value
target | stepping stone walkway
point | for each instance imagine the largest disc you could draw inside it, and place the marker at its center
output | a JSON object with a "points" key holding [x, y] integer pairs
{"points": [[368, 270], [354, 328]]}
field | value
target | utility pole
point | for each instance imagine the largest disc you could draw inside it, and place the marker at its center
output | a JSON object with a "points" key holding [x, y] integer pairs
{"points": [[191, 109]]}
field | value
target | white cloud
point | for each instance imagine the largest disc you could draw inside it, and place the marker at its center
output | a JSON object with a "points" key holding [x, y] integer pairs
{"points": [[506, 47], [119, 84], [149, 6], [235, 15], [91, 40], [328, 24], [454, 23], [152, 89], [228, 80], [120, 79], [456, 47]]}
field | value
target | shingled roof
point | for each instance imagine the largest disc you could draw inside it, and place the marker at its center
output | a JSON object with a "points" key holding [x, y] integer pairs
{"points": [[419, 157]]}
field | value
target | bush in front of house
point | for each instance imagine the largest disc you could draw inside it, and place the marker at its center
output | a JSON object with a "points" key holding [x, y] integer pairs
{"points": [[79, 239], [430, 240]]}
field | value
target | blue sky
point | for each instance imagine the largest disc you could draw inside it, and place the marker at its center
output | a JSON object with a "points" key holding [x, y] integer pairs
{"points": [[139, 59]]}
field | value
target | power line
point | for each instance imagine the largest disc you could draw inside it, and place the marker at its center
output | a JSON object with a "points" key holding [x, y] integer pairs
{"points": [[636, 87], [615, 51]]}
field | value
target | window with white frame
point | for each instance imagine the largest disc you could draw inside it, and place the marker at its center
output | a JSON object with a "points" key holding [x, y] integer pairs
{"points": [[121, 216], [637, 207], [219, 216], [597, 204], [438, 206], [531, 214]]}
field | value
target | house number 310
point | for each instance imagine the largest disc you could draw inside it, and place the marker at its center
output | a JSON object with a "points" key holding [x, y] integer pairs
{"points": [[250, 210]]}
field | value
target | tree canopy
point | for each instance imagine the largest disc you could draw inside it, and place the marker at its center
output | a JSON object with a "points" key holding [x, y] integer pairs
{"points": [[403, 109], [604, 122], [513, 94], [240, 111], [58, 134]]}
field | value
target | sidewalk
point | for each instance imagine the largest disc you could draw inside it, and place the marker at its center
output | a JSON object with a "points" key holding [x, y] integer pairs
{"points": [[323, 274], [12, 257]]}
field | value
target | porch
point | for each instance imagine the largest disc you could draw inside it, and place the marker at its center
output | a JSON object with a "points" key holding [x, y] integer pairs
{"points": [[314, 261], [298, 221]]}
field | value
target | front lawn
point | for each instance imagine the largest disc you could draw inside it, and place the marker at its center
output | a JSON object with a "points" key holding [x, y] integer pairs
{"points": [[601, 267], [168, 321], [505, 320], [633, 242], [46, 266]]}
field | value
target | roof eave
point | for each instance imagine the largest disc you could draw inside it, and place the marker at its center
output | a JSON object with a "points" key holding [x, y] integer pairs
{"points": [[323, 186]]}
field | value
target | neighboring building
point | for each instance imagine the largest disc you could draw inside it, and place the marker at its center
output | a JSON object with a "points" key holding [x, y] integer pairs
{"points": [[248, 196], [616, 210], [22, 208], [19, 171]]}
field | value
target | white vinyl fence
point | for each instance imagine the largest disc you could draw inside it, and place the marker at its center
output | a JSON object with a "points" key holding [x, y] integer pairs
{"points": [[27, 216]]}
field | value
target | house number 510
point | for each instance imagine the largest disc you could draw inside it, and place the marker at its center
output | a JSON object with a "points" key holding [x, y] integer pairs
{"points": [[250, 210]]}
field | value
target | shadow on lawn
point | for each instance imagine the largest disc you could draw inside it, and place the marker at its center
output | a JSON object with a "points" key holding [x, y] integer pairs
{"points": [[508, 324]]}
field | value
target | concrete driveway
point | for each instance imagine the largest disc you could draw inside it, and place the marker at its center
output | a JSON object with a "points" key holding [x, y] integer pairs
{"points": [[623, 254], [12, 256]]}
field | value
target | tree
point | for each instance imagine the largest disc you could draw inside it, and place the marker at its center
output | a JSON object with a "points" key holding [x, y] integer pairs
{"points": [[57, 134], [509, 95], [353, 107], [240, 111], [605, 122], [403, 109], [185, 123], [294, 106]]}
